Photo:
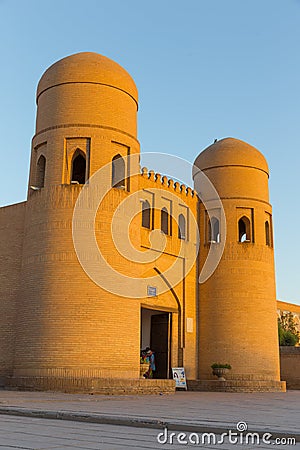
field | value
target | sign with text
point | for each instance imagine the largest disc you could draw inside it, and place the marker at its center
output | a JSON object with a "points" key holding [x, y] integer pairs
{"points": [[179, 377]]}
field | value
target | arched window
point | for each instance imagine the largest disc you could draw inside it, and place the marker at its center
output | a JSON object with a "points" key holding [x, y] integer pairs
{"points": [[78, 168], [164, 221], [40, 171], [118, 172], [146, 214], [181, 227], [214, 231], [244, 229], [267, 230]]}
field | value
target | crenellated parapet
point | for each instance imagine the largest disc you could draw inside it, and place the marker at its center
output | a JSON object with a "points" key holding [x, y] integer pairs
{"points": [[162, 181]]}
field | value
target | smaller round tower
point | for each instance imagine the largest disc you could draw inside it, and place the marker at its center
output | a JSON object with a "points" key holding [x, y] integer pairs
{"points": [[237, 304]]}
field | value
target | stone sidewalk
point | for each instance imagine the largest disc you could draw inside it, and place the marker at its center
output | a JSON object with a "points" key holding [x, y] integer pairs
{"points": [[276, 413]]}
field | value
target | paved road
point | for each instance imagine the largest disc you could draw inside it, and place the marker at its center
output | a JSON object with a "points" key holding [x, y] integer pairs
{"points": [[28, 420], [28, 433], [274, 412]]}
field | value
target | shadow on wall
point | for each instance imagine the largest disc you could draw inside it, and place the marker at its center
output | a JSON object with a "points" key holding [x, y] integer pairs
{"points": [[290, 366]]}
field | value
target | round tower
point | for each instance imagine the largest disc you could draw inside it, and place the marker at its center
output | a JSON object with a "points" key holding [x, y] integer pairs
{"points": [[67, 325], [237, 304], [86, 106]]}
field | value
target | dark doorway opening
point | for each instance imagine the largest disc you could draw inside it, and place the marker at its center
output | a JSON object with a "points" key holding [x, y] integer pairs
{"points": [[156, 333], [160, 342]]}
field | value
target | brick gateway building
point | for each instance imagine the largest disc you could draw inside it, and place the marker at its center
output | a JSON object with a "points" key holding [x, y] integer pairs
{"points": [[62, 328]]}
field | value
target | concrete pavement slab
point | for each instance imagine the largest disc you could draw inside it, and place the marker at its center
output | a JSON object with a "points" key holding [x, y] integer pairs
{"points": [[27, 433], [277, 413]]}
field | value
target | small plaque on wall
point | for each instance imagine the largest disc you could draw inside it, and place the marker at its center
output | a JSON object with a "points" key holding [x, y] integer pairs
{"points": [[189, 325], [152, 291]]}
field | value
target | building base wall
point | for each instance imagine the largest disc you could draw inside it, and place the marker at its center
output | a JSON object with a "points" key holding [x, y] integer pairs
{"points": [[105, 386], [236, 386], [290, 366]]}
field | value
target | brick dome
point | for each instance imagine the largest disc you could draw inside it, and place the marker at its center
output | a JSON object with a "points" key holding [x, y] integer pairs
{"points": [[231, 152], [88, 67]]}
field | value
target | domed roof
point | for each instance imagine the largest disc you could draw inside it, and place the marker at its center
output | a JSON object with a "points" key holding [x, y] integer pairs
{"points": [[88, 67], [231, 152]]}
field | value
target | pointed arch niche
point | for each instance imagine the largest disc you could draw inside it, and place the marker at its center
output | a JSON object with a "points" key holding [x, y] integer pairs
{"points": [[212, 226], [268, 230], [118, 172], [73, 170], [40, 172], [182, 227], [214, 230], [245, 224], [164, 221], [78, 168], [244, 229], [146, 214]]}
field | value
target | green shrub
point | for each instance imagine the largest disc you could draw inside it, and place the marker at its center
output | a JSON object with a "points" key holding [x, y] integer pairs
{"points": [[288, 334], [220, 366], [289, 338]]}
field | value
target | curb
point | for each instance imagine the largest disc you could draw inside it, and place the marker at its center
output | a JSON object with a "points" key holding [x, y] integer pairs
{"points": [[171, 425]]}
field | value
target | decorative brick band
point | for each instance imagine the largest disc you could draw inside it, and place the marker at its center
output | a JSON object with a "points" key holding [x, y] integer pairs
{"points": [[84, 125]]}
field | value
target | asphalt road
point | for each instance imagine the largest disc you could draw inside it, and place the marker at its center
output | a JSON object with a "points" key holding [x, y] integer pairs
{"points": [[29, 433]]}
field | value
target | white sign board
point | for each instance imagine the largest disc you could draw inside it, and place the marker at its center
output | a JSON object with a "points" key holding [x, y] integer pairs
{"points": [[179, 377]]}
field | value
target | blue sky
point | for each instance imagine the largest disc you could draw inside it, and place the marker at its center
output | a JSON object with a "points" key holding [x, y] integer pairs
{"points": [[204, 70]]}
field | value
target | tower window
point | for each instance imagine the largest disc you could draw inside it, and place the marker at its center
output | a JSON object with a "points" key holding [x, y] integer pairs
{"points": [[164, 221], [244, 229], [267, 231], [40, 171], [181, 227], [78, 168], [214, 230], [146, 214], [118, 172]]}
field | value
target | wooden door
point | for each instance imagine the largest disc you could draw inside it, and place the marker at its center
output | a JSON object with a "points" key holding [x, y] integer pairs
{"points": [[160, 343]]}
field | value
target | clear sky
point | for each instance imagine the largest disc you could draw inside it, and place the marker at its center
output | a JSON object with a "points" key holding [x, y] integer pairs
{"points": [[204, 69]]}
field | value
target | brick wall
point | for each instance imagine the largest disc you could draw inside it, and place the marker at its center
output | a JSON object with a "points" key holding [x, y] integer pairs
{"points": [[11, 232], [290, 366]]}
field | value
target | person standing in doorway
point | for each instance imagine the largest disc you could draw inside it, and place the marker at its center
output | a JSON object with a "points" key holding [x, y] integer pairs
{"points": [[152, 368]]}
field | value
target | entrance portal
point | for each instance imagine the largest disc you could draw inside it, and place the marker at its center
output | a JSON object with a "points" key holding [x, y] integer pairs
{"points": [[156, 334]]}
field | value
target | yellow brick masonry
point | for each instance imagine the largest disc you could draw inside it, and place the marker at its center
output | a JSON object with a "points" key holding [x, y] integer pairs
{"points": [[11, 231], [238, 302], [59, 329], [66, 324]]}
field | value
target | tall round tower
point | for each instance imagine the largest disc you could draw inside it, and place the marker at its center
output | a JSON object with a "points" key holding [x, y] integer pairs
{"points": [[86, 119], [86, 106], [237, 304]]}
